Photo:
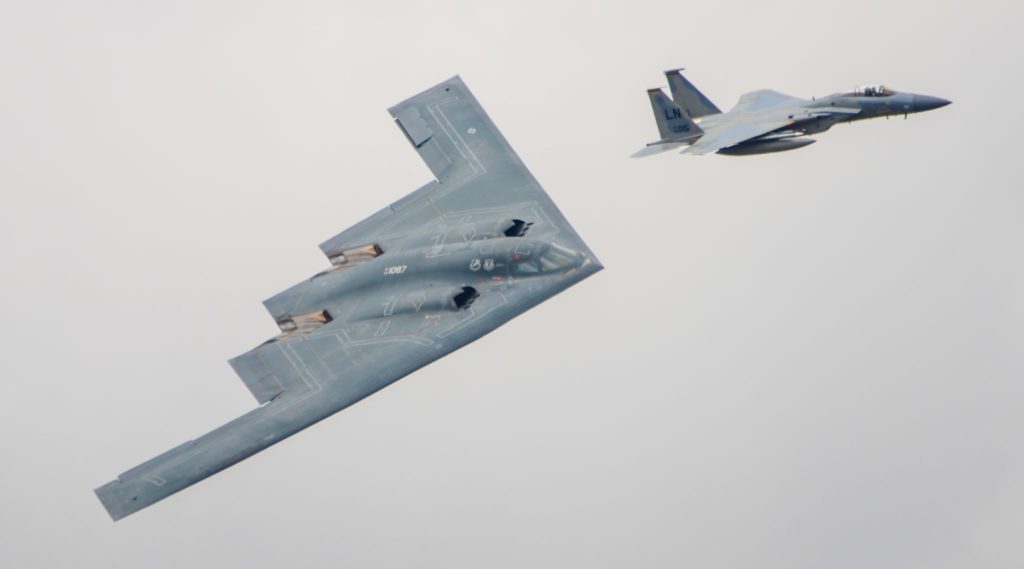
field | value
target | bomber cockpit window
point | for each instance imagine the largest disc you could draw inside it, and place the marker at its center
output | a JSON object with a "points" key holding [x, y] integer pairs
{"points": [[526, 266], [557, 257], [546, 260]]}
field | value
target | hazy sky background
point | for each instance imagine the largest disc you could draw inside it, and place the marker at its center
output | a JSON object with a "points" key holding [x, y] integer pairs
{"points": [[802, 360]]}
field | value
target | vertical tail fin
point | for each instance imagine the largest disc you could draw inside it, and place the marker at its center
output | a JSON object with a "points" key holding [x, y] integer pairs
{"points": [[692, 101], [673, 124]]}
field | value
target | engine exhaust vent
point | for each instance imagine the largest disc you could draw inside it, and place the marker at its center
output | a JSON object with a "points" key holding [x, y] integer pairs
{"points": [[356, 254], [304, 323]]}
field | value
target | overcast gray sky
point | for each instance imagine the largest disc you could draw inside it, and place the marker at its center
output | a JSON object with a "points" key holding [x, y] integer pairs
{"points": [[803, 360]]}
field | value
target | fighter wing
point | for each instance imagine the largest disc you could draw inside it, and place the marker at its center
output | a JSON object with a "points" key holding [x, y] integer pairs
{"points": [[755, 115], [656, 148], [477, 173], [327, 360], [764, 99], [735, 132], [767, 101]]}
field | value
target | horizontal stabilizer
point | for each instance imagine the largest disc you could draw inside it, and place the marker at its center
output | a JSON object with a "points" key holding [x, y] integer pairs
{"points": [[656, 148]]}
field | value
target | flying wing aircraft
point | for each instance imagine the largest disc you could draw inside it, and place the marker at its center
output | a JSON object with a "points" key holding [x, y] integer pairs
{"points": [[764, 121], [415, 281]]}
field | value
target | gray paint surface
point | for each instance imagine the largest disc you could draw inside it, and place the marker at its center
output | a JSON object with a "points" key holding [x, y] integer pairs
{"points": [[765, 121], [831, 339], [419, 279]]}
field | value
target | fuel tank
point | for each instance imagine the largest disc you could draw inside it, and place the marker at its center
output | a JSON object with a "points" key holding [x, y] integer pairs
{"points": [[766, 146]]}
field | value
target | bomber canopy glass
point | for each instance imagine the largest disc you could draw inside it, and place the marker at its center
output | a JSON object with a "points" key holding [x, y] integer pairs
{"points": [[553, 258]]}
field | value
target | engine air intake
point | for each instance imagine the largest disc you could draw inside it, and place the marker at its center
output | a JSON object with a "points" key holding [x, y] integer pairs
{"points": [[517, 228], [466, 298]]}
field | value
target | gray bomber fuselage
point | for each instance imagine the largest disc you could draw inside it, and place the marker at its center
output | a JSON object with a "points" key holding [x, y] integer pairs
{"points": [[424, 276]]}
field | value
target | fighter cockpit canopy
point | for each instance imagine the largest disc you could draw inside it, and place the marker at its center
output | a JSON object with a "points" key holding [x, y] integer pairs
{"points": [[873, 91]]}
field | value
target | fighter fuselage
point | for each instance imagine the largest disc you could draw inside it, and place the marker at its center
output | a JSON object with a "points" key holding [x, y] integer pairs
{"points": [[763, 120]]}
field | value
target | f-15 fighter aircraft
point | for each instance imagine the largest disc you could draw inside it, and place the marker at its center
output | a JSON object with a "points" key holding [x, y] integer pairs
{"points": [[415, 281], [764, 121]]}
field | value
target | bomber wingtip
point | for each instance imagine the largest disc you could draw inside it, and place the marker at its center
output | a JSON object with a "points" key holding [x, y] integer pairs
{"points": [[109, 501]]}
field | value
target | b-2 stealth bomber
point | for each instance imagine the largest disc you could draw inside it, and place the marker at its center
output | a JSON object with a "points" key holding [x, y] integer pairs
{"points": [[423, 277], [764, 121]]}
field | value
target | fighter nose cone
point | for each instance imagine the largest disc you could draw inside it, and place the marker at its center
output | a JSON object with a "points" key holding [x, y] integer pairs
{"points": [[927, 103]]}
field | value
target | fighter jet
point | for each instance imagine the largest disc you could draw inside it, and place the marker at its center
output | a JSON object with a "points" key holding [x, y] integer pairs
{"points": [[765, 121], [415, 281]]}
